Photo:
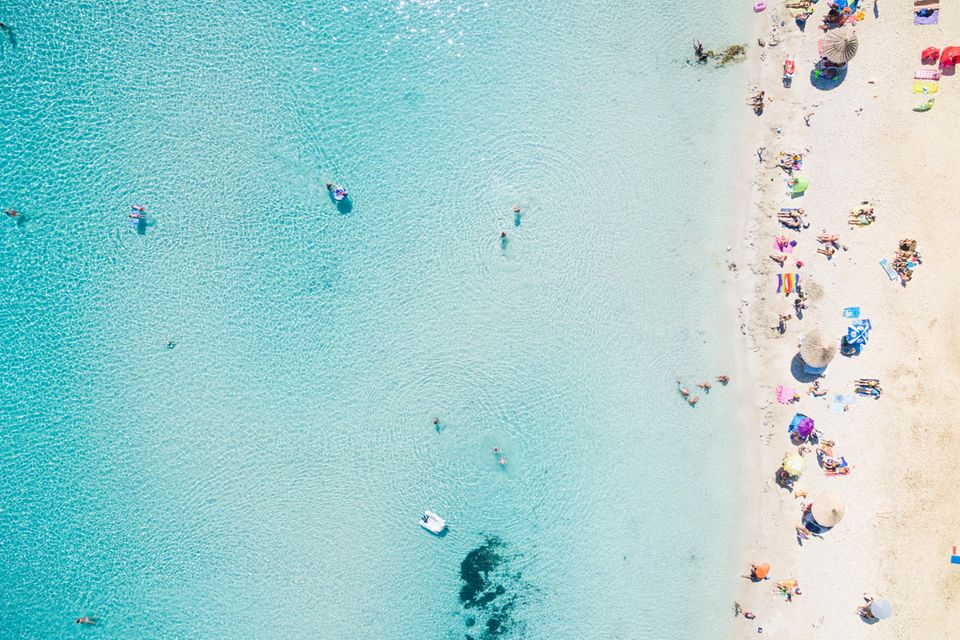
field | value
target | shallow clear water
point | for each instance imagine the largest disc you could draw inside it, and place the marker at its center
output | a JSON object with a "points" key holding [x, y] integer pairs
{"points": [[263, 477]]}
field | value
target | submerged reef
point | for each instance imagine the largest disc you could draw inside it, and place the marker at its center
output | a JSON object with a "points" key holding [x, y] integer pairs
{"points": [[490, 591]]}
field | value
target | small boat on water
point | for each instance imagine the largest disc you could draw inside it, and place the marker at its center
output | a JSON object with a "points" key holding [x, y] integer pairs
{"points": [[432, 522], [339, 193]]}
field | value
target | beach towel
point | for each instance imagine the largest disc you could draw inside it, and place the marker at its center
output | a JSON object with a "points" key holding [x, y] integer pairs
{"points": [[851, 312], [925, 86], [783, 245], [955, 558], [785, 395], [787, 282], [927, 74], [932, 18], [891, 272]]}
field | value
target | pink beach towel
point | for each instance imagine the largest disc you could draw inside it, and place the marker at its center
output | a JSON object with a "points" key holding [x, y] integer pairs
{"points": [[926, 74], [785, 395], [782, 244]]}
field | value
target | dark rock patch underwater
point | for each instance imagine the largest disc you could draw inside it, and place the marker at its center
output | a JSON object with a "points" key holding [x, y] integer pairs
{"points": [[490, 591]]}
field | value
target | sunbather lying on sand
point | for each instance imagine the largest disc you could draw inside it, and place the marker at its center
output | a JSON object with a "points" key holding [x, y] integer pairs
{"points": [[778, 259], [827, 251], [867, 382], [793, 223], [828, 238], [826, 447], [801, 4], [816, 391]]}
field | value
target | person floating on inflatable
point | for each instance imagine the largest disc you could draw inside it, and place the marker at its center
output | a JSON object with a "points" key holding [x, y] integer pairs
{"points": [[339, 193]]}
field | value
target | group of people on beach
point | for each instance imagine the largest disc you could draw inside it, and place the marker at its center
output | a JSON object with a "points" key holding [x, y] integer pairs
{"points": [[692, 400]]}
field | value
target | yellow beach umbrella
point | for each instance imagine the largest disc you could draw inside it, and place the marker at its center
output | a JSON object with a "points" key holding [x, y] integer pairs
{"points": [[794, 464]]}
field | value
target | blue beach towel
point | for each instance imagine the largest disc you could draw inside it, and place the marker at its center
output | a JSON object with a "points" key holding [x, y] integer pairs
{"points": [[891, 272]]}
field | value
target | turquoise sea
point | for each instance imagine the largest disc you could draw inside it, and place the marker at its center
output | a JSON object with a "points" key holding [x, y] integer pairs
{"points": [[218, 424]]}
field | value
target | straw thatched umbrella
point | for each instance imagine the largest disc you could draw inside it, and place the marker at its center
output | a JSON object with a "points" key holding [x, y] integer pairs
{"points": [[840, 45], [817, 350], [827, 510]]}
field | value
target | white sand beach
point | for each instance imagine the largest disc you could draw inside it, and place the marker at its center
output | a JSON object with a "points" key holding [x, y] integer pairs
{"points": [[863, 143]]}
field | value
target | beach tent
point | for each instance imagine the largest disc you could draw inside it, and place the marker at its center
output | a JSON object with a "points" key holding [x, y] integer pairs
{"points": [[930, 53], [827, 510], [950, 56], [840, 45], [881, 609], [817, 350]]}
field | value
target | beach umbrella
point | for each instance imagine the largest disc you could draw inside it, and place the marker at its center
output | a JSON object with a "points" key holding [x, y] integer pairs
{"points": [[840, 45], [859, 332], [817, 350], [881, 609], [827, 510], [760, 571], [794, 464], [805, 428]]}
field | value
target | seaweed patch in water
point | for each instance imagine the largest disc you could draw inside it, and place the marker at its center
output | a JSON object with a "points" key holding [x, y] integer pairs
{"points": [[489, 590]]}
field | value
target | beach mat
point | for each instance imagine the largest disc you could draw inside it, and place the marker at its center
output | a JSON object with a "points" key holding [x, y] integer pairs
{"points": [[891, 272], [933, 18], [927, 74], [925, 86], [787, 283]]}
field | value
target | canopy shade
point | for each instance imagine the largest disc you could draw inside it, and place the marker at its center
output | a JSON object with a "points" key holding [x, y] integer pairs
{"points": [[840, 45], [827, 510], [817, 350]]}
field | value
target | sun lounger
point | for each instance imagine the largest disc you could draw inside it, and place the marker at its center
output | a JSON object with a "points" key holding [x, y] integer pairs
{"points": [[927, 74], [891, 272]]}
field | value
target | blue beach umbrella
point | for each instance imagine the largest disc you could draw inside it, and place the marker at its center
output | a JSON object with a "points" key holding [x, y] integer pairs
{"points": [[858, 332]]}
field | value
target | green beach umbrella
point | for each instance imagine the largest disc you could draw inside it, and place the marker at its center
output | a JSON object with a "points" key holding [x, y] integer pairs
{"points": [[800, 184]]}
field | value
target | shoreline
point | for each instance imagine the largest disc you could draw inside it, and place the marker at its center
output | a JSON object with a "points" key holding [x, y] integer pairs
{"points": [[863, 143]]}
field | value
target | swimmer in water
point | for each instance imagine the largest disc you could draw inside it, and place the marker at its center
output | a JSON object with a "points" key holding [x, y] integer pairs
{"points": [[503, 461], [13, 213], [85, 620]]}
